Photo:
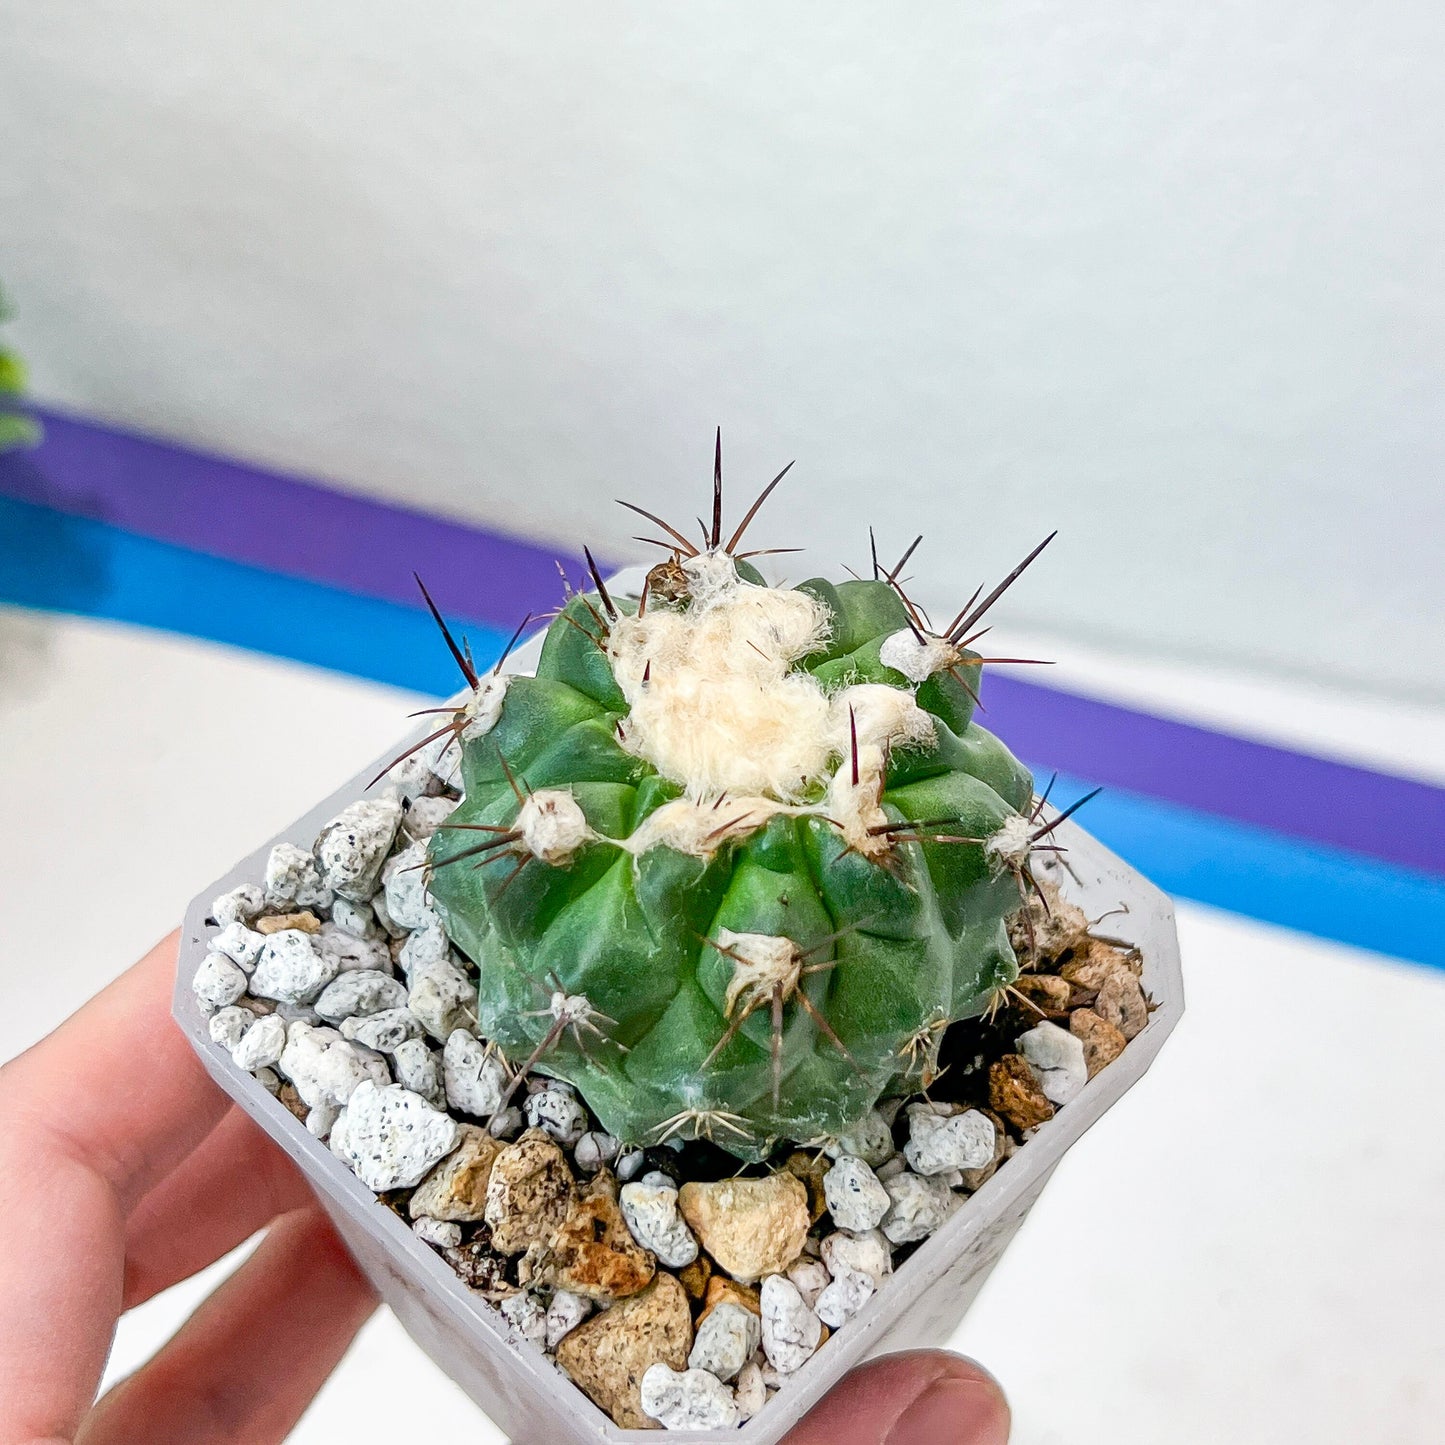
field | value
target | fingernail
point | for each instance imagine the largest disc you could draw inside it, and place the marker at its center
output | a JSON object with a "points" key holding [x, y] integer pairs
{"points": [[953, 1412]]}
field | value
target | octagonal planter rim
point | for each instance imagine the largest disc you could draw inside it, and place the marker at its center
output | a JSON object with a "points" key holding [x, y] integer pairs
{"points": [[543, 1404]]}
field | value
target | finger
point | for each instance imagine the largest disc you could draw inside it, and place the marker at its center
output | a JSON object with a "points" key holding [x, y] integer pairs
{"points": [[923, 1397], [248, 1362], [90, 1118], [117, 1085], [235, 1183]]}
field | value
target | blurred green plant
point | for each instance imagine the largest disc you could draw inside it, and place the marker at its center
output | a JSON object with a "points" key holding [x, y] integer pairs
{"points": [[17, 429]]}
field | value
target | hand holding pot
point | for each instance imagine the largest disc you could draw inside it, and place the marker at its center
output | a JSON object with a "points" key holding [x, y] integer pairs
{"points": [[124, 1170]]}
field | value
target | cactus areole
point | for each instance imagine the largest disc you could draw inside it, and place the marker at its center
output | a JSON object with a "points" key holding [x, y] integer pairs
{"points": [[736, 855]]}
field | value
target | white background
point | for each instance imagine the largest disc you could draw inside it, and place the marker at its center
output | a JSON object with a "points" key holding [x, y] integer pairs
{"points": [[1167, 276]]}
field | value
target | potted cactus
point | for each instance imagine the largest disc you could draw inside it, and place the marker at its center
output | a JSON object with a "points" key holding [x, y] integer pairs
{"points": [[676, 1022]]}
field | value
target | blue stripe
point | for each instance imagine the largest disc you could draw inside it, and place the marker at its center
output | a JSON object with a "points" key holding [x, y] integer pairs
{"points": [[71, 564], [1269, 876], [64, 563]]}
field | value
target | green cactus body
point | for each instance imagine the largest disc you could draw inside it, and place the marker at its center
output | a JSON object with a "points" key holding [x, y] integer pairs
{"points": [[731, 826]]}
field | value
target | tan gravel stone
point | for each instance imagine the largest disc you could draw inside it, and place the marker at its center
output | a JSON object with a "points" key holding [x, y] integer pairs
{"points": [[1091, 965], [1121, 1002], [1103, 1043], [592, 1253], [1014, 1092], [457, 1188], [722, 1290], [608, 1355], [696, 1276], [751, 1227], [306, 921], [1046, 991], [811, 1168], [1052, 924], [529, 1194]]}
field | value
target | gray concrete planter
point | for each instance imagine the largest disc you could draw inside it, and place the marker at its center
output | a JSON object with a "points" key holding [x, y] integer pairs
{"points": [[922, 1304]]}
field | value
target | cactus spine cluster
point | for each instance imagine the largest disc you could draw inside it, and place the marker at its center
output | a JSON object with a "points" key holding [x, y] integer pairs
{"points": [[736, 855]]}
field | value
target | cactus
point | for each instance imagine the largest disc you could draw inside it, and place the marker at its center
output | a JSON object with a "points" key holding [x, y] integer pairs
{"points": [[737, 854]]}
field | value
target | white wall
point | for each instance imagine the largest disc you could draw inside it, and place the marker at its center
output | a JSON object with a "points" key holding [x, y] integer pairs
{"points": [[1167, 276]]}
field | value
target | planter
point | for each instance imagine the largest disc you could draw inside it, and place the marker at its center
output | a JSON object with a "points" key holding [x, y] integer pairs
{"points": [[510, 1378]]}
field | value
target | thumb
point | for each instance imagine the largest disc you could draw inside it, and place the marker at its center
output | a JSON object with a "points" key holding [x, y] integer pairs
{"points": [[923, 1397]]}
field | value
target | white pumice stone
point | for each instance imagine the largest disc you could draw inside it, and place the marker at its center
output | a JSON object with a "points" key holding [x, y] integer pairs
{"points": [[940, 1144], [691, 1400], [425, 945], [218, 981], [240, 944], [440, 1232], [352, 954], [917, 1206], [811, 1277], [1057, 1059], [392, 1136], [890, 1168], [357, 919], [269, 1080], [351, 848], [564, 1314], [725, 1340], [323, 1066], [790, 1330], [629, 1164], [559, 1113], [361, 991], [321, 1117], [262, 1044], [240, 905], [297, 1013], [871, 1141], [475, 1077], [749, 1392], [382, 1031], [413, 778], [507, 1124], [404, 879], [528, 1316], [868, 1254], [426, 815], [443, 759], [856, 1200], [384, 920], [843, 1298], [658, 1179], [594, 1149], [293, 877], [290, 970], [417, 1068], [652, 1215], [227, 1026], [441, 996]]}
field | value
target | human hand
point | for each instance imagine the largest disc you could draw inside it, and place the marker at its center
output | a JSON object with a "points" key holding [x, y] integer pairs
{"points": [[124, 1170]]}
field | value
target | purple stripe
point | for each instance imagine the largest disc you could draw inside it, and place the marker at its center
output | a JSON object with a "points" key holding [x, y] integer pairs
{"points": [[1379, 814], [300, 529], [283, 524]]}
